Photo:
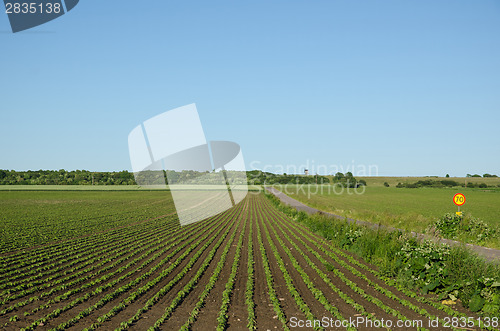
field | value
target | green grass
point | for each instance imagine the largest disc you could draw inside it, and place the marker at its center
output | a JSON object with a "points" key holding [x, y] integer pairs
{"points": [[408, 209]]}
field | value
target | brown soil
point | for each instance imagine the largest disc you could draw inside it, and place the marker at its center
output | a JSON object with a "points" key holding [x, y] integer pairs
{"points": [[266, 317]]}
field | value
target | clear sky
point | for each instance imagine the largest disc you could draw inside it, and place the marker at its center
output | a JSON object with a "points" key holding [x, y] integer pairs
{"points": [[411, 87]]}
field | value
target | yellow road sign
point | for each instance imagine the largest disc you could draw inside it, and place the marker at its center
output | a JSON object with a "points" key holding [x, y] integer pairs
{"points": [[459, 199]]}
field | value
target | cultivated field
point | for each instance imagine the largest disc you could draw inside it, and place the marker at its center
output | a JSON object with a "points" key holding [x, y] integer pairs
{"points": [[250, 267], [29, 218]]}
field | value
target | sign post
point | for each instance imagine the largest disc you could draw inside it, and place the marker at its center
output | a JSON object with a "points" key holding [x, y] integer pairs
{"points": [[459, 200]]}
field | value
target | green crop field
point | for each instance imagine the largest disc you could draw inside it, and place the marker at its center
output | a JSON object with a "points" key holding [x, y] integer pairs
{"points": [[116, 260], [406, 208], [30, 218]]}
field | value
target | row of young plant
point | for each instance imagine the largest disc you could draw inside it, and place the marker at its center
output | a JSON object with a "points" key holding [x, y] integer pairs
{"points": [[222, 319], [174, 242], [349, 300], [42, 251], [226, 295], [192, 282], [88, 295], [79, 258], [48, 252], [27, 264], [137, 247], [44, 263], [301, 304], [118, 247], [180, 243], [250, 284], [123, 219], [55, 270], [384, 249], [270, 281], [61, 278], [111, 296], [52, 250], [202, 235], [58, 222], [61, 286], [36, 256]]}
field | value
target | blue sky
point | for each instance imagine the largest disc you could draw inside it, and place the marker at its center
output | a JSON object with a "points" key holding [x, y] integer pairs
{"points": [[411, 87]]}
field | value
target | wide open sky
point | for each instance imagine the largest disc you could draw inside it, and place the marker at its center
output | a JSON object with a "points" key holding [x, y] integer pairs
{"points": [[408, 87]]}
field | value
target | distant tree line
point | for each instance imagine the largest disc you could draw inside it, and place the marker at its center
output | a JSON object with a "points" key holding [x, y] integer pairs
{"points": [[430, 183], [484, 176], [438, 183], [64, 177], [85, 177]]}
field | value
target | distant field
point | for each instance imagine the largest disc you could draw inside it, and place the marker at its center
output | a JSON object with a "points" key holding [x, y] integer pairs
{"points": [[409, 209], [93, 188], [393, 181], [71, 188]]}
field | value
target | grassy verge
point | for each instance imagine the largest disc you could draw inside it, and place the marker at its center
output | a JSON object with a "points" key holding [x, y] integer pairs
{"points": [[413, 209], [455, 274]]}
